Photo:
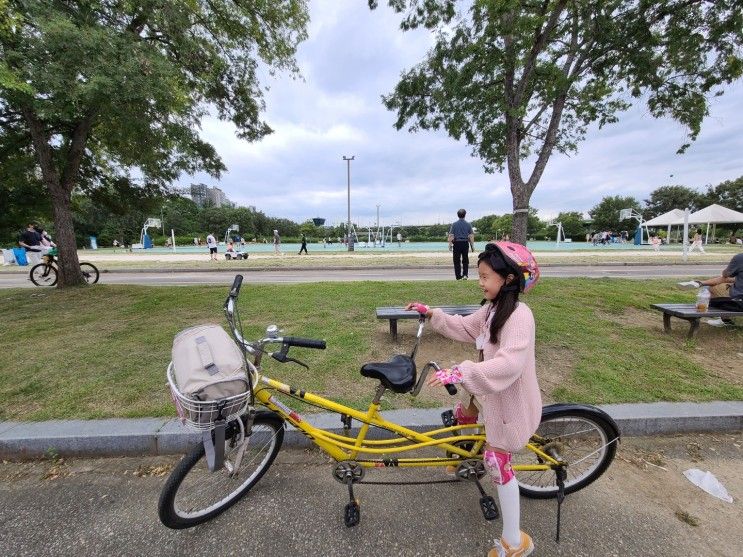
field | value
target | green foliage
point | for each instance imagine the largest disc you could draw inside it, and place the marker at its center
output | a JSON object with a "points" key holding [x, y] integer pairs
{"points": [[491, 226], [573, 224], [605, 215], [728, 194], [667, 198], [97, 90], [522, 79]]}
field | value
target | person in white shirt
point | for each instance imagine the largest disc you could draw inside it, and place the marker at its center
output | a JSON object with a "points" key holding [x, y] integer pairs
{"points": [[211, 242]]}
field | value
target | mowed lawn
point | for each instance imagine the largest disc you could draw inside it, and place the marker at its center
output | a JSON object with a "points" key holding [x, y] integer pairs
{"points": [[102, 351]]}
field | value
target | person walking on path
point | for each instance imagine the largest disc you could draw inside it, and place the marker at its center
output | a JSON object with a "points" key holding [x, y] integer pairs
{"points": [[211, 243], [503, 382], [461, 239], [303, 247], [276, 242], [697, 241]]}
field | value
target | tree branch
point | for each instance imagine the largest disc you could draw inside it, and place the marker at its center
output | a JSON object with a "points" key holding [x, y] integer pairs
{"points": [[76, 149], [542, 36]]}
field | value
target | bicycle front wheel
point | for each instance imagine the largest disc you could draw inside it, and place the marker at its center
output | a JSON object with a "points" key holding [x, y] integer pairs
{"points": [[43, 275], [90, 273], [583, 437], [193, 495]]}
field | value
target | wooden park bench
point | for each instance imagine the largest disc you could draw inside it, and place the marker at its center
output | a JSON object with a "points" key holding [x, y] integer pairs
{"points": [[690, 313], [394, 313]]}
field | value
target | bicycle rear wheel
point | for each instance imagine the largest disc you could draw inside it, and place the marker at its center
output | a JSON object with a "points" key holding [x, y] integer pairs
{"points": [[583, 437], [90, 272], [193, 495], [43, 275]]}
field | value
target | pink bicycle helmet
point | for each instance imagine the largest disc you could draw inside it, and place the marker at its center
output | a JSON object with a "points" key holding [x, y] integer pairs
{"points": [[522, 260]]}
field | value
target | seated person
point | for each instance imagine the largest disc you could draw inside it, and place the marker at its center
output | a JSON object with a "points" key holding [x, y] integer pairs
{"points": [[726, 290]]}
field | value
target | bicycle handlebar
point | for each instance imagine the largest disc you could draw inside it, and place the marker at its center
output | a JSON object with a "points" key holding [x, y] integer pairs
{"points": [[305, 342], [235, 289]]}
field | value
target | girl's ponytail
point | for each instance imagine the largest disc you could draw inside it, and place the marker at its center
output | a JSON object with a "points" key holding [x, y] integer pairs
{"points": [[503, 306]]}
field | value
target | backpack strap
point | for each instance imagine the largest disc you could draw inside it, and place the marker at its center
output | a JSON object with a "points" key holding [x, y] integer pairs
{"points": [[214, 448], [206, 356]]}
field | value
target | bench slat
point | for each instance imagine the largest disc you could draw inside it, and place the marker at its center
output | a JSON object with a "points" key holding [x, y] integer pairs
{"points": [[690, 310], [402, 313], [399, 312], [689, 313]]}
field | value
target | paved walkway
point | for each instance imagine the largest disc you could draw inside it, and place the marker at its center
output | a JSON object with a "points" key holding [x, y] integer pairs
{"points": [[159, 436]]}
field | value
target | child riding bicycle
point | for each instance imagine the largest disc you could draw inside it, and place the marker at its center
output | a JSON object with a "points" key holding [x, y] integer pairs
{"points": [[503, 382]]}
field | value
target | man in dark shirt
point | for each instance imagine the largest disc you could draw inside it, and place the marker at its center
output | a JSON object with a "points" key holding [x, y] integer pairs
{"points": [[461, 237], [31, 241], [726, 290]]}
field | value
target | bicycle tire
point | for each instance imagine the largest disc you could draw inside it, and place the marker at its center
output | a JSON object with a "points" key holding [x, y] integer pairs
{"points": [[42, 274], [90, 272], [583, 436], [193, 495]]}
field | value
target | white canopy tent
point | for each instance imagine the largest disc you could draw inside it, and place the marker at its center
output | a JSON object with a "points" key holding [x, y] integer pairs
{"points": [[714, 214], [666, 219], [671, 217]]}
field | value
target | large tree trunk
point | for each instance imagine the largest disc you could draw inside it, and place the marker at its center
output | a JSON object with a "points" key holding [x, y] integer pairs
{"points": [[60, 186], [520, 213], [69, 264]]}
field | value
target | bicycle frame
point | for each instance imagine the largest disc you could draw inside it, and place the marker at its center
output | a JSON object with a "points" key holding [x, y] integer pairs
{"points": [[370, 453]]}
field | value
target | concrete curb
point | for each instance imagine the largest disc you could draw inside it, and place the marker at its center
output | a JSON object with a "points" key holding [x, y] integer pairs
{"points": [[160, 436]]}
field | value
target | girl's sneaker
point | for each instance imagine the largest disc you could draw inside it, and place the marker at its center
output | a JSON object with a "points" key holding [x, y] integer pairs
{"points": [[461, 417], [502, 549]]}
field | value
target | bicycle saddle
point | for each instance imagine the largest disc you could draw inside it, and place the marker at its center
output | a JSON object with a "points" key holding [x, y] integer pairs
{"points": [[397, 375]]}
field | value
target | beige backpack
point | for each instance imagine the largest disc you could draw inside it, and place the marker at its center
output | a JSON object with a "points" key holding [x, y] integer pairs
{"points": [[209, 366]]}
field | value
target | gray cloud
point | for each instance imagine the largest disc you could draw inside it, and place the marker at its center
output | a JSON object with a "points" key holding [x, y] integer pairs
{"points": [[354, 56]]}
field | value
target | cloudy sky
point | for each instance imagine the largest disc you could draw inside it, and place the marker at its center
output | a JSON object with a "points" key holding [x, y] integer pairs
{"points": [[351, 58]]}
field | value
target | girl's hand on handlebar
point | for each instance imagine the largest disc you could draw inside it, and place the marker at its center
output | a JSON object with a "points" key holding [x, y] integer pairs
{"points": [[446, 377], [423, 309]]}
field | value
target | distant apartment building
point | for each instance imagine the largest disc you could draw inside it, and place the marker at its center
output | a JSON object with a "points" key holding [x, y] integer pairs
{"points": [[202, 195]]}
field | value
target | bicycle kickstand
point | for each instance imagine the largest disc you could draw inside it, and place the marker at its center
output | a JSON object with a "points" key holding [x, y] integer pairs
{"points": [[561, 476]]}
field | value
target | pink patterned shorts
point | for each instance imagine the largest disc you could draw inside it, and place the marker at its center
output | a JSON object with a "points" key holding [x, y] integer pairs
{"points": [[498, 465]]}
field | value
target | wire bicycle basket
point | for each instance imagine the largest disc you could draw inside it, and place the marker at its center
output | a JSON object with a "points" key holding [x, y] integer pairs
{"points": [[202, 415]]}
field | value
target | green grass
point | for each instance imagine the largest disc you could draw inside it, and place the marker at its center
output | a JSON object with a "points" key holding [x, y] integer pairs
{"points": [[102, 351]]}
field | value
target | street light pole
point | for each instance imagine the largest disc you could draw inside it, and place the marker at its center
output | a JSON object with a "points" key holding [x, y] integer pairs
{"points": [[349, 237]]}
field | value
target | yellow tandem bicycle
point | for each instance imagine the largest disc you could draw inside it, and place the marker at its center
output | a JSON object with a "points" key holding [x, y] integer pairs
{"points": [[573, 446]]}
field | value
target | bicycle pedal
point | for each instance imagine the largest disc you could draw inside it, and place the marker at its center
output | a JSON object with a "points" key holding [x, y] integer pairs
{"points": [[448, 418], [489, 508], [352, 514]]}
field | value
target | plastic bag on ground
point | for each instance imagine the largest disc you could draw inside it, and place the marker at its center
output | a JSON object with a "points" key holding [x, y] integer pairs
{"points": [[708, 482]]}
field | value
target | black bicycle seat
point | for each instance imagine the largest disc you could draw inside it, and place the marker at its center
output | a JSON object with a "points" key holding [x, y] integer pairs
{"points": [[397, 375]]}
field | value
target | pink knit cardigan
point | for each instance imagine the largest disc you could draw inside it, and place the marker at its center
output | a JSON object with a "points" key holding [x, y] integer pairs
{"points": [[505, 382]]}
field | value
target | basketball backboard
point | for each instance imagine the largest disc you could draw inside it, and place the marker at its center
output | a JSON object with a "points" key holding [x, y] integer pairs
{"points": [[625, 214]]}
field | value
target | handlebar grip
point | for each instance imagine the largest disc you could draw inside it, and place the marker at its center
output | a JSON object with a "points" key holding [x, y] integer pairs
{"points": [[305, 342], [235, 290], [451, 389]]}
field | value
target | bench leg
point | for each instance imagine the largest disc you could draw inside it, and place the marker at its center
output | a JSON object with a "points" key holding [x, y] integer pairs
{"points": [[693, 328], [667, 322], [393, 329]]}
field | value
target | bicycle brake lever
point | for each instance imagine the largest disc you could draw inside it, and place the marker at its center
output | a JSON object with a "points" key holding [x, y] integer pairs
{"points": [[305, 366], [283, 358]]}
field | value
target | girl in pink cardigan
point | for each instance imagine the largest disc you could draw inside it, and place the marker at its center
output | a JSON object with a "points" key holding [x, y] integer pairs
{"points": [[503, 382]]}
